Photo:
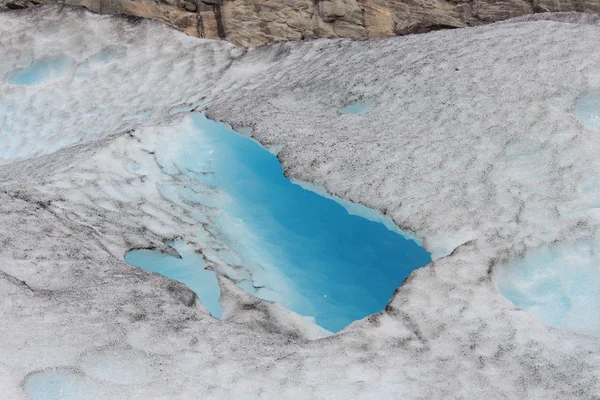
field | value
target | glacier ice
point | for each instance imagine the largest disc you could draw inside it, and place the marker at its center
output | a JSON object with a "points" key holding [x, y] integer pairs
{"points": [[121, 365], [187, 107], [356, 107], [560, 286], [63, 384], [588, 110], [37, 118], [188, 268], [472, 142], [42, 71]]}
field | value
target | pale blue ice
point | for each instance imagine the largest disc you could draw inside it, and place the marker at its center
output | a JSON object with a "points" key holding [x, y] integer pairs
{"points": [[189, 269], [355, 108], [303, 250], [559, 286], [103, 57], [186, 107], [587, 110], [41, 71], [143, 113], [60, 384]]}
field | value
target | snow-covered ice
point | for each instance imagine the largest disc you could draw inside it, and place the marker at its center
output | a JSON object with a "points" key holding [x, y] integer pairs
{"points": [[479, 142], [41, 72]]}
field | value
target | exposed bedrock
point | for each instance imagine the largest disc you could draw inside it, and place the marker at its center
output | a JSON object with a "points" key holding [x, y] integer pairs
{"points": [[255, 22]]}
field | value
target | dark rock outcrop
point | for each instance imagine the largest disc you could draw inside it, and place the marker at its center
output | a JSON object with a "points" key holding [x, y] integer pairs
{"points": [[253, 22]]}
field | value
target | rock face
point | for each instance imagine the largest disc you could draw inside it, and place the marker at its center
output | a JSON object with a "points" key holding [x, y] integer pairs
{"points": [[255, 22], [175, 13]]}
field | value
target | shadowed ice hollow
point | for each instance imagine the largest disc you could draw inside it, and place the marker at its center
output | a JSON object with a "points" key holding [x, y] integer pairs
{"points": [[42, 71], [356, 107], [303, 250], [559, 286], [62, 384], [587, 110]]}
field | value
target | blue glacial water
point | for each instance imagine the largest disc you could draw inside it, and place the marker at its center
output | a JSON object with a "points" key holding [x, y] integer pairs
{"points": [[355, 108], [61, 384], [559, 286], [189, 269], [41, 71], [304, 250], [587, 110]]}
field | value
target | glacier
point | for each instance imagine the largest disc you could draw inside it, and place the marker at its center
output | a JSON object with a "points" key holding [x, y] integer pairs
{"points": [[299, 248], [480, 142]]}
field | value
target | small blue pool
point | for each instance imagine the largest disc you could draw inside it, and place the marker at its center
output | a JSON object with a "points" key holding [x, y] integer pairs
{"points": [[41, 71], [189, 269], [356, 107], [303, 250]]}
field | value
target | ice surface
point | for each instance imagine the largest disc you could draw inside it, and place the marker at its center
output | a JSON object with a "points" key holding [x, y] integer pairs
{"points": [[559, 286], [120, 365], [143, 113], [189, 269], [356, 107], [86, 69], [186, 107], [42, 71], [588, 110], [62, 384], [473, 143], [94, 101]]}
